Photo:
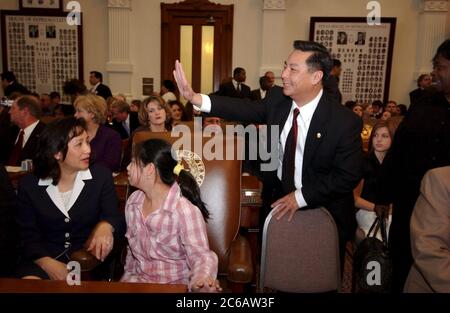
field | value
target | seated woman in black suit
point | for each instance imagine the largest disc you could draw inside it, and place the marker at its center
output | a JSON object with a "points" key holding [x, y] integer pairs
{"points": [[65, 205]]}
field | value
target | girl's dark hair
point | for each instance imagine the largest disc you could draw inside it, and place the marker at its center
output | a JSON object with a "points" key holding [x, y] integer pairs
{"points": [[53, 139], [159, 152]]}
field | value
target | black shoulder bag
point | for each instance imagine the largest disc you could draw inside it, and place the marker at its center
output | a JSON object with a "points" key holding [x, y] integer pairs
{"points": [[372, 264]]}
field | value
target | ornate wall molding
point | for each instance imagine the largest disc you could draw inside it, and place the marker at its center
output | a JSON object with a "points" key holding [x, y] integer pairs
{"points": [[120, 4], [435, 6], [274, 5]]}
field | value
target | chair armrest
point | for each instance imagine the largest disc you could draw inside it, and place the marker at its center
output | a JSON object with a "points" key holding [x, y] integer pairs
{"points": [[240, 267]]}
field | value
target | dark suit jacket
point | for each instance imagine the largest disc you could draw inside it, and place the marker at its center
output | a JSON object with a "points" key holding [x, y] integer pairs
{"points": [[332, 87], [8, 227], [118, 127], [332, 162], [421, 143], [16, 87], [228, 90], [103, 91], [44, 227], [30, 148], [256, 94]]}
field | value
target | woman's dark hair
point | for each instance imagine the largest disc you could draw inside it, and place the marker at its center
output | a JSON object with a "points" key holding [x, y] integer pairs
{"points": [[169, 85], [74, 87], [53, 139], [159, 152], [184, 116]]}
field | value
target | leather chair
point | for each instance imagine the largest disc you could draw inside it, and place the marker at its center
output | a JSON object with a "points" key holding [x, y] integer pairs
{"points": [[301, 255], [221, 191]]}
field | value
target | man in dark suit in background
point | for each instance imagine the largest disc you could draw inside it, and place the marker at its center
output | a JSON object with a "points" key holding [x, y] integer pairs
{"points": [[124, 121], [10, 84], [324, 164], [259, 94], [25, 113], [331, 85], [423, 84], [98, 88], [236, 88]]}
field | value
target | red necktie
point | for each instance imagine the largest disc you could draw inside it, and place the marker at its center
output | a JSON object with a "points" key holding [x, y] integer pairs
{"points": [[14, 158], [288, 170]]}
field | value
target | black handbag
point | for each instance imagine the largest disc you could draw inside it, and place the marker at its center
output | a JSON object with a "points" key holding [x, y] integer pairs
{"points": [[372, 264]]}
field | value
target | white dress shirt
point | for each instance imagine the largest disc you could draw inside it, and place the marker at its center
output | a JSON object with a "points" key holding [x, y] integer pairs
{"points": [[303, 122], [262, 93], [94, 88]]}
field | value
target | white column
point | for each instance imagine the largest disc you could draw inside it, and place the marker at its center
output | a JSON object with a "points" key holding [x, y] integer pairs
{"points": [[119, 65], [431, 33], [273, 25]]}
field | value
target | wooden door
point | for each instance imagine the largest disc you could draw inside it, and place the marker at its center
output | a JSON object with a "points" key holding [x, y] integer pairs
{"points": [[200, 33]]}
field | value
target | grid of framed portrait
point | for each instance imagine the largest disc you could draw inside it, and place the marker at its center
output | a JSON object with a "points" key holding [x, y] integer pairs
{"points": [[43, 51], [40, 4], [364, 50]]}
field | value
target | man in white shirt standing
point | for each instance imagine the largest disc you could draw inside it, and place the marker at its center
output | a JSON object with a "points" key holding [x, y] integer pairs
{"points": [[320, 150], [98, 88]]}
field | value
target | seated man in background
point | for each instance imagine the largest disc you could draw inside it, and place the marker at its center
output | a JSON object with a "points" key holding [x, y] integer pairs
{"points": [[124, 121], [25, 113]]}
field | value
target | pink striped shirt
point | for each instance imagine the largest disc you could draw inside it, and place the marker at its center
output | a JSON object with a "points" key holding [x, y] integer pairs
{"points": [[171, 245]]}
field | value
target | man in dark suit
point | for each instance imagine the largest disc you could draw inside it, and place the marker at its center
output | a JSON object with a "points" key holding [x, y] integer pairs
{"points": [[259, 94], [421, 143], [10, 84], [236, 87], [25, 113], [423, 83], [8, 227], [124, 121], [98, 88], [332, 83], [324, 164]]}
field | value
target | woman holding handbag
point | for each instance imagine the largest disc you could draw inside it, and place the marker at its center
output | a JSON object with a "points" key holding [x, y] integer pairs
{"points": [[365, 194]]}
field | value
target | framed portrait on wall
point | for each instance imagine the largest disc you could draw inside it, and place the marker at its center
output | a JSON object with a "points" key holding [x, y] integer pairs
{"points": [[364, 50], [40, 4], [43, 51]]}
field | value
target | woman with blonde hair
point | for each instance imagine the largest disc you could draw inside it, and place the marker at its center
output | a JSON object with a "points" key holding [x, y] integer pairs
{"points": [[105, 142]]}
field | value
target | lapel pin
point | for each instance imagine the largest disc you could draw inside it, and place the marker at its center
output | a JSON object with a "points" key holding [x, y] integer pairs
{"points": [[319, 135]]}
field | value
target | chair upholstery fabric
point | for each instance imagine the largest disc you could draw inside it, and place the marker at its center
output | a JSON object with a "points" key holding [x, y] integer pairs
{"points": [[301, 255]]}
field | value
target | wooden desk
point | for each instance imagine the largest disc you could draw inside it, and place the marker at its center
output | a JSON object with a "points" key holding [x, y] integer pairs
{"points": [[9, 285]]}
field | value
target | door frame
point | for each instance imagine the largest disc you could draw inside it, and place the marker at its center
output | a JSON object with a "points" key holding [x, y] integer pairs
{"points": [[223, 37]]}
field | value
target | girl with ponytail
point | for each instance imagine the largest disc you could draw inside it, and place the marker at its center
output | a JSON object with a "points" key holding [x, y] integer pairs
{"points": [[167, 239]]}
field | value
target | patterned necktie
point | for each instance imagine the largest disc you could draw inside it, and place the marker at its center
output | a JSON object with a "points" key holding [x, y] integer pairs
{"points": [[17, 151], [288, 170]]}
